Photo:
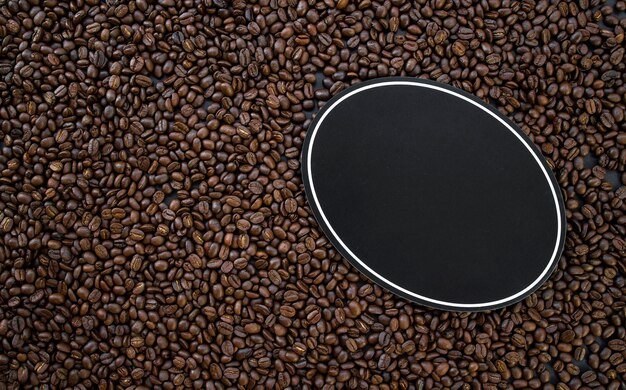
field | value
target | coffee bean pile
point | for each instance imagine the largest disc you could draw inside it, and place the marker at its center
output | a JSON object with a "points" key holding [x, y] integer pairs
{"points": [[153, 226]]}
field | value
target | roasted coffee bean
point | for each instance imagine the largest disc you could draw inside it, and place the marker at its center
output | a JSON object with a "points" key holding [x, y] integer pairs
{"points": [[154, 230]]}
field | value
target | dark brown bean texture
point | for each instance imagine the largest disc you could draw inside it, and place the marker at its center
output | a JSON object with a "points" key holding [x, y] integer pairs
{"points": [[153, 228]]}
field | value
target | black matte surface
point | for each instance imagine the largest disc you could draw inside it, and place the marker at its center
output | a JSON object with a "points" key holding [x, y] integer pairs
{"points": [[434, 194]]}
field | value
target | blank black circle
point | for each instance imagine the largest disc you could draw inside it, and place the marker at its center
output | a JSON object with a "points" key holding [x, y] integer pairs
{"points": [[433, 194]]}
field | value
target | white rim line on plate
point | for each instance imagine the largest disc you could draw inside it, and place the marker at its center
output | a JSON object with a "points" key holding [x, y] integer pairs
{"points": [[354, 256]]}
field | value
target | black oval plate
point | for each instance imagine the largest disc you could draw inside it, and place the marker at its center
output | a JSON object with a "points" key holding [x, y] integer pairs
{"points": [[433, 194]]}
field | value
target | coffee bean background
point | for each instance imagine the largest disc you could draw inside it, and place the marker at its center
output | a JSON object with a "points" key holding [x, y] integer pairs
{"points": [[153, 226]]}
